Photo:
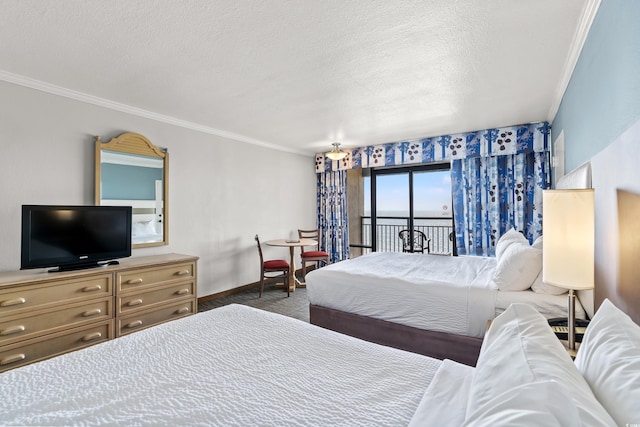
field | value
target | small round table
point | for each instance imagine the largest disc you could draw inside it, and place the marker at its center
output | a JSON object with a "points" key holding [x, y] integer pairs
{"points": [[291, 244]]}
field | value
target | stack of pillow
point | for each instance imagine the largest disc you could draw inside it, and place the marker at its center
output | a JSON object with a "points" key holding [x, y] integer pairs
{"points": [[525, 377], [519, 265]]}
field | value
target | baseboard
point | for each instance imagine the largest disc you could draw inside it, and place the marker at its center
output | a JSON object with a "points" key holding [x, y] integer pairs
{"points": [[239, 289]]}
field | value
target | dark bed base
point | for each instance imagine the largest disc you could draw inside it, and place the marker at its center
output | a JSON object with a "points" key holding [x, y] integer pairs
{"points": [[440, 345]]}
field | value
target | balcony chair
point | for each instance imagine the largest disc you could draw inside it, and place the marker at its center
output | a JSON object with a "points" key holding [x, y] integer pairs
{"points": [[311, 256], [420, 241], [267, 268]]}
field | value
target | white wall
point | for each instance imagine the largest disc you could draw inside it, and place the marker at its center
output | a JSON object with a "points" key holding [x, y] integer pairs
{"points": [[221, 191]]}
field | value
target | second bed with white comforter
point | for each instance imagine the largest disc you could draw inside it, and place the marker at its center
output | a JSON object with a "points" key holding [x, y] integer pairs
{"points": [[438, 293]]}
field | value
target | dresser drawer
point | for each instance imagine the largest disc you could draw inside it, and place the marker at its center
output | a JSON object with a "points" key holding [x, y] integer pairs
{"points": [[53, 293], [138, 321], [25, 352], [138, 279], [129, 302], [17, 328]]}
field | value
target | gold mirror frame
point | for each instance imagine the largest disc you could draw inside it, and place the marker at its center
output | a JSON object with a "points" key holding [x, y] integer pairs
{"points": [[138, 147]]}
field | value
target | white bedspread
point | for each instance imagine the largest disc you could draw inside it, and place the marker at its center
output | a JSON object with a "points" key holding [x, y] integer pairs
{"points": [[549, 306], [438, 293], [234, 365]]}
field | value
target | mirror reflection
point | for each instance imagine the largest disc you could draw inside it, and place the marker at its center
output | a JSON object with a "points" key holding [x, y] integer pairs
{"points": [[130, 171]]}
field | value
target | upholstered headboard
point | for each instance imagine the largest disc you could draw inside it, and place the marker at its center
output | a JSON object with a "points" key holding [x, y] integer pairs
{"points": [[579, 178], [616, 180]]}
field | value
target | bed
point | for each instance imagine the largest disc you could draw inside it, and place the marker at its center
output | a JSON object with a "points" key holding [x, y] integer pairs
{"points": [[437, 305], [433, 305], [237, 365]]}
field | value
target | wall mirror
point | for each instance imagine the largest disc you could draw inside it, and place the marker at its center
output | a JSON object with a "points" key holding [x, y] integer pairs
{"points": [[131, 171]]}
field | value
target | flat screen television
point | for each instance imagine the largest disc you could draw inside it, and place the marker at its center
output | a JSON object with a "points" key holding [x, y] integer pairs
{"points": [[74, 237]]}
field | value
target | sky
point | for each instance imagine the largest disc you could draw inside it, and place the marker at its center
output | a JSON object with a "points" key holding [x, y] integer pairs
{"points": [[432, 192]]}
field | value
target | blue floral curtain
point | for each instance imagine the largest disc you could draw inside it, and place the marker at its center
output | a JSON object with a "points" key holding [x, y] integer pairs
{"points": [[498, 176], [494, 194], [332, 214]]}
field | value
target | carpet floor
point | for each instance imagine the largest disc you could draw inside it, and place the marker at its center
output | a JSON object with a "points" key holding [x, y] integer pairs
{"points": [[273, 299]]}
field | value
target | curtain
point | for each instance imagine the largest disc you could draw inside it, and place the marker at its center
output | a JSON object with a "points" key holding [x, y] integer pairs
{"points": [[497, 176], [494, 194], [332, 214]]}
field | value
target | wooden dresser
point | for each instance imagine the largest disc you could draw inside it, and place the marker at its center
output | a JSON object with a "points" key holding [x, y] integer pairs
{"points": [[46, 314]]}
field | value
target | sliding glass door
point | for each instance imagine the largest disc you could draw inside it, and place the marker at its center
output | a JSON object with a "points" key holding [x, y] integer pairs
{"points": [[410, 209]]}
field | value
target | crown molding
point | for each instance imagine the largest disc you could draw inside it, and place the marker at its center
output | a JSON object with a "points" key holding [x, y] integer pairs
{"points": [[579, 38], [128, 109]]}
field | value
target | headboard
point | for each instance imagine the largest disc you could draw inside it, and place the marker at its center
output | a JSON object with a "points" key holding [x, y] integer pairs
{"points": [[580, 178], [616, 180]]}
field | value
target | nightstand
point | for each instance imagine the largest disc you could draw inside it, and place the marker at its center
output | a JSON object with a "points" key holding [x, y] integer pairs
{"points": [[572, 353]]}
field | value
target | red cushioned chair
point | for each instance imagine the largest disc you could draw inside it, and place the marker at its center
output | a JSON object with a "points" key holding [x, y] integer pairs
{"points": [[311, 256], [267, 268]]}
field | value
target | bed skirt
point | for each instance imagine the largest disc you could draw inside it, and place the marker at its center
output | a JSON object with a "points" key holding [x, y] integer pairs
{"points": [[439, 345]]}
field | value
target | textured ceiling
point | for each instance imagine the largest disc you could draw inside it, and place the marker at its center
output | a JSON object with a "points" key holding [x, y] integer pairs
{"points": [[299, 74]]}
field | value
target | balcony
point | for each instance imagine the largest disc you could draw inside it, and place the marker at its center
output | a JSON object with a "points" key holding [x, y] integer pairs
{"points": [[437, 229]]}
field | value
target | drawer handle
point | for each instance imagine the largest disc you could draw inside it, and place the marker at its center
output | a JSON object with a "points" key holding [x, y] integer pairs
{"points": [[134, 302], [12, 359], [12, 330], [135, 281], [10, 302], [182, 273], [182, 310], [183, 291], [92, 337], [91, 288], [134, 324], [93, 312]]}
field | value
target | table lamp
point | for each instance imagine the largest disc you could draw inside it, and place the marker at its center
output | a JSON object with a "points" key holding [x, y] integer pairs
{"points": [[568, 255]]}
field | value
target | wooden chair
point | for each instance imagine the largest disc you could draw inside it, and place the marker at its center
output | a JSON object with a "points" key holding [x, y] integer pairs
{"points": [[419, 244], [311, 256], [267, 268]]}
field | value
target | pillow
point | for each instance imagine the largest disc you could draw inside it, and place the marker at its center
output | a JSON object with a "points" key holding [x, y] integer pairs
{"points": [[544, 403], [143, 228], [537, 243], [520, 349], [446, 397], [540, 287], [609, 359], [518, 267], [507, 239]]}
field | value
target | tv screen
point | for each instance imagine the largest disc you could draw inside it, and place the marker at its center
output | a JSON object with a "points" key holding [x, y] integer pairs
{"points": [[74, 237]]}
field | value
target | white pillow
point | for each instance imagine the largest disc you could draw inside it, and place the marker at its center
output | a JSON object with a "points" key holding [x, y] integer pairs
{"points": [[143, 228], [537, 243], [511, 236], [518, 267], [540, 287], [609, 359], [446, 397], [520, 348], [544, 403]]}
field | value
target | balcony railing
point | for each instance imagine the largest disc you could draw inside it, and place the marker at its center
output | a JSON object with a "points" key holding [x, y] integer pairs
{"points": [[437, 229]]}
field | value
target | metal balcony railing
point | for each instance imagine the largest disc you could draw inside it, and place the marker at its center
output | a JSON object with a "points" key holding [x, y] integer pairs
{"points": [[437, 229]]}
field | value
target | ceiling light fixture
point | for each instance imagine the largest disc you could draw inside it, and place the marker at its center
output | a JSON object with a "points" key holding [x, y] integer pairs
{"points": [[336, 153]]}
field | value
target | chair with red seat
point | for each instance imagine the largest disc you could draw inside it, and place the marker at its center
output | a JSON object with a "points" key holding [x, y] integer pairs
{"points": [[311, 256], [272, 266]]}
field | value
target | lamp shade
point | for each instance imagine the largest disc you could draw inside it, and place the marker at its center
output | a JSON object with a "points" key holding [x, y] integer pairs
{"points": [[336, 153], [568, 230]]}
